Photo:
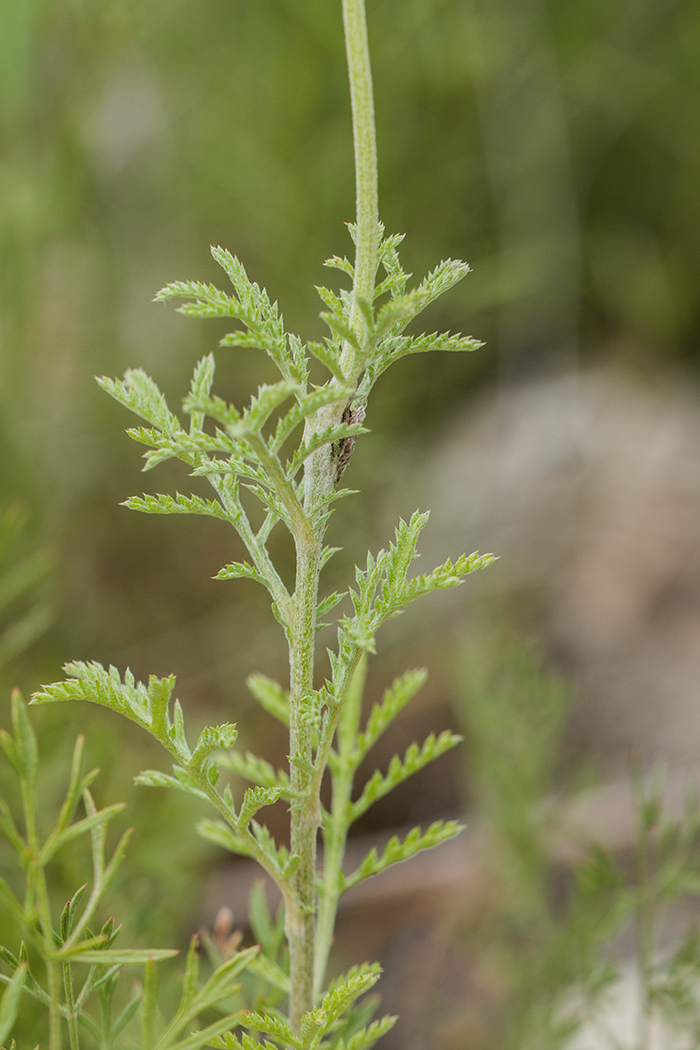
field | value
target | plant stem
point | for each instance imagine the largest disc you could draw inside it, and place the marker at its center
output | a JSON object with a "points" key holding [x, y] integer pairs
{"points": [[343, 767], [319, 479], [306, 808], [37, 878], [365, 143]]}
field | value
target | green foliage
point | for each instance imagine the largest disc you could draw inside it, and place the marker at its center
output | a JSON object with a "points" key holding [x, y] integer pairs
{"points": [[561, 936], [280, 461], [72, 972], [24, 613], [234, 450], [231, 450]]}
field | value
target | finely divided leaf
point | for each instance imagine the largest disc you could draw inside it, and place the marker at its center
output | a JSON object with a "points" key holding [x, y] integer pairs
{"points": [[269, 1025], [382, 715], [145, 705], [213, 739], [239, 570], [221, 835], [321, 397], [178, 504], [414, 760], [342, 995], [397, 850], [138, 392], [367, 1037], [271, 696], [255, 799], [256, 770]]}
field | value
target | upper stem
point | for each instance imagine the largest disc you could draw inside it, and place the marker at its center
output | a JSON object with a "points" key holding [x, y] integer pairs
{"points": [[365, 143], [319, 480]]}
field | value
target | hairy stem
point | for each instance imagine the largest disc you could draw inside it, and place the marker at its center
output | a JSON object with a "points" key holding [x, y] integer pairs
{"points": [[319, 479], [306, 808], [336, 825], [365, 143]]}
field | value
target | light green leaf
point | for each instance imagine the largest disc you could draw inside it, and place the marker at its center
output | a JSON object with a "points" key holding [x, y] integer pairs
{"points": [[278, 856], [207, 1036], [330, 435], [203, 377], [382, 715], [220, 834], [256, 770], [329, 602], [230, 1042], [268, 400], [239, 570], [208, 301], [393, 348], [80, 827], [397, 850], [269, 1025], [159, 503], [263, 967], [342, 994], [328, 353], [120, 957], [254, 799], [212, 739], [25, 745], [219, 984], [333, 393], [145, 705], [271, 696], [138, 392], [341, 329], [414, 760], [367, 1037], [11, 998], [341, 264]]}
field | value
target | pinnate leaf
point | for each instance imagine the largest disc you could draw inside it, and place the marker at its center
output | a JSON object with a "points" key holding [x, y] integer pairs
{"points": [[397, 850], [159, 503], [414, 760], [382, 715], [145, 705]]}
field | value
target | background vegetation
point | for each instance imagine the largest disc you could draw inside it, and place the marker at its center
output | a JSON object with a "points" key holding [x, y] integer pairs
{"points": [[551, 143]]}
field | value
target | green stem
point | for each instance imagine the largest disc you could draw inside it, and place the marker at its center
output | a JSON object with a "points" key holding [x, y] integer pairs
{"points": [[365, 143], [343, 766], [319, 479], [256, 548], [335, 838], [72, 1014], [306, 807], [35, 875]]}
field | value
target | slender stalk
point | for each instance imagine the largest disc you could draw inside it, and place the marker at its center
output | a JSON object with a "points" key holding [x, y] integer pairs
{"points": [[343, 766], [71, 1012], [318, 481], [306, 812], [365, 142], [38, 880], [335, 839]]}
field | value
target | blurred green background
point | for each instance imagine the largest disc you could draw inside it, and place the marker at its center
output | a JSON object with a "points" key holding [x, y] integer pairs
{"points": [[551, 143]]}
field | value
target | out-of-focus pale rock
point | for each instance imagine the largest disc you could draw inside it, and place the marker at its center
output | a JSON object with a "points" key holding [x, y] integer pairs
{"points": [[588, 487]]}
